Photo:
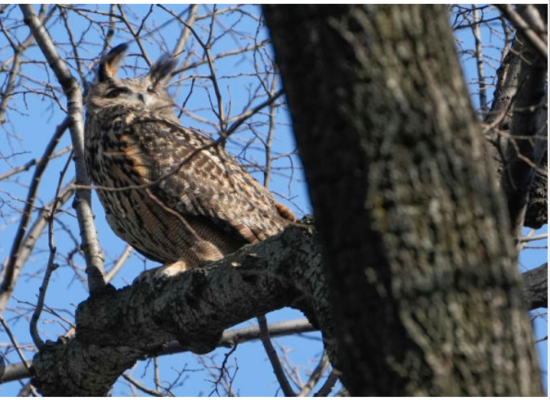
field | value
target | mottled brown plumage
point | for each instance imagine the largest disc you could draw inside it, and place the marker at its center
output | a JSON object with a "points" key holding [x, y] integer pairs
{"points": [[207, 208]]}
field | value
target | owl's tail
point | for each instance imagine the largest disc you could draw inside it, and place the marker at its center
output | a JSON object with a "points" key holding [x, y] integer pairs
{"points": [[285, 212]]}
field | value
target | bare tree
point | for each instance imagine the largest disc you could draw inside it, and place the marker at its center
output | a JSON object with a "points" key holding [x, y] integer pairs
{"points": [[414, 282]]}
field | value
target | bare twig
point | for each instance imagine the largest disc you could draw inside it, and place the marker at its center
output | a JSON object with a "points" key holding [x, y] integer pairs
{"points": [[271, 132], [238, 121], [29, 164], [134, 34], [533, 238], [184, 37], [223, 370], [221, 55], [479, 61], [35, 230], [119, 263], [206, 48], [15, 345], [521, 25], [51, 265], [274, 358], [141, 387], [315, 376], [328, 385], [11, 268]]}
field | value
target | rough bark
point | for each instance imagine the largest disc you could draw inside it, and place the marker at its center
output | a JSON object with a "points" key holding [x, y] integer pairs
{"points": [[119, 327], [499, 120], [414, 231], [528, 133], [100, 359], [536, 287], [537, 210]]}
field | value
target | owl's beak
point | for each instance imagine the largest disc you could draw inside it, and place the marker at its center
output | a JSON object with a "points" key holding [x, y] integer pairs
{"points": [[144, 98]]}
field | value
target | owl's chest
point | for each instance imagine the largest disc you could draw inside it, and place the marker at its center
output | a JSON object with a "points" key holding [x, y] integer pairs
{"points": [[115, 153]]}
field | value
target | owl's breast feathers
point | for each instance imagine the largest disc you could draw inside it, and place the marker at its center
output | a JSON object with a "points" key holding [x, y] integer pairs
{"points": [[200, 205]]}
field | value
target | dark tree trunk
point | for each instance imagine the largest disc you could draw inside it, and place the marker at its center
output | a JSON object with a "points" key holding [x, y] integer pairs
{"points": [[415, 234], [502, 116], [528, 135]]}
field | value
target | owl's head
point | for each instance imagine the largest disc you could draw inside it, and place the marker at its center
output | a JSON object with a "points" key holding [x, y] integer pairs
{"points": [[145, 93]]}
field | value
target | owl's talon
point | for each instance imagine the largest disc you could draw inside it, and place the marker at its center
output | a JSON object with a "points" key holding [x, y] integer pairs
{"points": [[155, 275]]}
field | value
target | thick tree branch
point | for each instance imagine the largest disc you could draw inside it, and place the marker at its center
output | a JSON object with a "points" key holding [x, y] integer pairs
{"points": [[536, 287], [118, 327], [528, 135], [82, 202], [136, 322], [229, 339], [499, 120]]}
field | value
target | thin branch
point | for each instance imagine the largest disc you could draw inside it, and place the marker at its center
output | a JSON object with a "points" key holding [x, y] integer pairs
{"points": [[141, 387], [243, 335], [184, 37], [274, 358], [133, 33], [119, 263], [11, 268], [29, 164], [73, 92], [270, 133], [51, 265], [26, 363], [328, 385], [315, 376], [247, 114], [34, 232], [479, 61], [521, 25], [533, 238], [229, 339], [221, 55], [206, 48]]}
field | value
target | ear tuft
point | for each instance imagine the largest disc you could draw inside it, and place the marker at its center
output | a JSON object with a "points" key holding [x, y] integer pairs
{"points": [[108, 66], [160, 71]]}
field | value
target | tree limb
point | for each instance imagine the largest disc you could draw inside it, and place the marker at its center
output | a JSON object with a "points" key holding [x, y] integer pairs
{"points": [[118, 327], [528, 135], [536, 287], [136, 322]]}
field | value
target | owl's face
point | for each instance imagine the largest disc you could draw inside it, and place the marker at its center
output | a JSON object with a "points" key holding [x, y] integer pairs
{"points": [[145, 93]]}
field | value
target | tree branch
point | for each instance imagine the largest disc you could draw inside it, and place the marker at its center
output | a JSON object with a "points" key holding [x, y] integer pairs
{"points": [[229, 338], [538, 41], [12, 267], [82, 202], [116, 328], [536, 287], [528, 130]]}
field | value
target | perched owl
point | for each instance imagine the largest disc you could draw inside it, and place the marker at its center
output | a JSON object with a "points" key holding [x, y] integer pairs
{"points": [[195, 203]]}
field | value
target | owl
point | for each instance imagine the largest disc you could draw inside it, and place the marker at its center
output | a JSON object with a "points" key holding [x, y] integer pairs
{"points": [[180, 198]]}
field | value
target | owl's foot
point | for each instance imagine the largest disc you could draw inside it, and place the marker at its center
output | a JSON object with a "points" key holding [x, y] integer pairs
{"points": [[152, 276]]}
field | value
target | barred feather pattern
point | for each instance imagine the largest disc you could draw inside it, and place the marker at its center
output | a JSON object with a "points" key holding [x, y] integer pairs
{"points": [[198, 203]]}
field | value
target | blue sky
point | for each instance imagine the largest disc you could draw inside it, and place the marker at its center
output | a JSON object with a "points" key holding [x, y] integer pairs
{"points": [[35, 125]]}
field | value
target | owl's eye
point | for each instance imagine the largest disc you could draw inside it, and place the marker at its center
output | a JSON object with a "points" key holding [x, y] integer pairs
{"points": [[151, 89], [115, 92]]}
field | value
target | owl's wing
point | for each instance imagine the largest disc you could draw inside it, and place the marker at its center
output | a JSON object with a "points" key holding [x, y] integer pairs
{"points": [[208, 183]]}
